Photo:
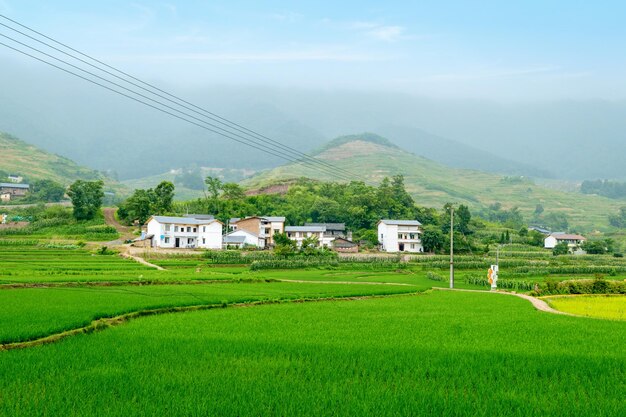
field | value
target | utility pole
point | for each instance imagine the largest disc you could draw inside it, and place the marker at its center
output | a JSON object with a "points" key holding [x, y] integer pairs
{"points": [[451, 246]]}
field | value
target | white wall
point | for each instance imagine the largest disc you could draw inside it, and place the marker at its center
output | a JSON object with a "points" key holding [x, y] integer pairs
{"points": [[210, 236], [250, 239], [550, 242]]}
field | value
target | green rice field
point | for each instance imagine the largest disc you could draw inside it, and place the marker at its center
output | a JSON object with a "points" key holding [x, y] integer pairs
{"points": [[210, 335]]}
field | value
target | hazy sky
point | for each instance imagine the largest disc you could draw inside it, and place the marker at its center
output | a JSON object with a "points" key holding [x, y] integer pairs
{"points": [[502, 50]]}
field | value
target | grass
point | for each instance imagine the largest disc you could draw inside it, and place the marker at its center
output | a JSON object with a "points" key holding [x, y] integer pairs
{"points": [[53, 310], [606, 307], [449, 354]]}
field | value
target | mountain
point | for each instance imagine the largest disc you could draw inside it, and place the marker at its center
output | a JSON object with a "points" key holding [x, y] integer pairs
{"points": [[371, 158], [32, 163], [456, 154]]}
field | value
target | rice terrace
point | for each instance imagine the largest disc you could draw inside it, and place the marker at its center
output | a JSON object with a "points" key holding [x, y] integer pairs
{"points": [[226, 208]]}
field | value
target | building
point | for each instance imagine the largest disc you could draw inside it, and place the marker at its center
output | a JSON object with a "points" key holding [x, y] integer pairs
{"points": [[343, 245], [299, 233], [539, 229], [334, 230], [15, 178], [13, 190], [265, 227], [241, 239], [183, 232], [574, 242], [400, 236]]}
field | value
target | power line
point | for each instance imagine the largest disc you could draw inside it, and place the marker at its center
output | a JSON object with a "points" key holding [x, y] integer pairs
{"points": [[283, 154], [149, 105], [203, 112]]}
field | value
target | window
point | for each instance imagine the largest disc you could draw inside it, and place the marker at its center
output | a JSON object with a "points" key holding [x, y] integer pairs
{"points": [[167, 240], [203, 228], [194, 230], [276, 231], [203, 241], [167, 227], [176, 228], [188, 229]]}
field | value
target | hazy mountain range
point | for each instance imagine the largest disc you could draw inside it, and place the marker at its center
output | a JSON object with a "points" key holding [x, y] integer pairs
{"points": [[568, 140]]}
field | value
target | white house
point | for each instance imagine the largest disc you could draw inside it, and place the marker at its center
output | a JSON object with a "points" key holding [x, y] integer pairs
{"points": [[242, 238], [573, 241], [184, 232], [400, 236], [299, 233]]}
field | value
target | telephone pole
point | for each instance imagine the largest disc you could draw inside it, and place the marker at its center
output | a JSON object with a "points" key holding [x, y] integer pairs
{"points": [[451, 246]]}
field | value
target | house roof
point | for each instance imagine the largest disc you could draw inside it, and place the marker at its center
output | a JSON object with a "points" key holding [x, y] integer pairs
{"points": [[234, 239], [341, 242], [274, 218], [329, 226], [565, 236], [305, 228], [240, 231], [266, 218], [181, 220], [400, 222], [200, 216], [13, 185]]}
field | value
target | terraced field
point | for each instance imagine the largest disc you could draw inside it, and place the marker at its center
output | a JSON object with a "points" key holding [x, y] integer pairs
{"points": [[89, 334]]}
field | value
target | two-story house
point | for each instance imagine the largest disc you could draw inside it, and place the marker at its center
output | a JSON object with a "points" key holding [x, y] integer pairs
{"points": [[264, 227], [334, 230], [400, 236], [184, 232]]}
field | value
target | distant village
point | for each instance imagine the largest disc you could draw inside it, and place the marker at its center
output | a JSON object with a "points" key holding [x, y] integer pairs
{"points": [[204, 231], [193, 231]]}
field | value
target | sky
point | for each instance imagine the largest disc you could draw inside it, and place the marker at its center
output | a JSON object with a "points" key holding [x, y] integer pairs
{"points": [[498, 50]]}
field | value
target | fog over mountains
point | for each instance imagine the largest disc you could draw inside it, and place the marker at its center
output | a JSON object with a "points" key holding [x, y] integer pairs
{"points": [[561, 139]]}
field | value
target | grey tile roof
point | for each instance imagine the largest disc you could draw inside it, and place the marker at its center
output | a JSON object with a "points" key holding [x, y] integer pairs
{"points": [[274, 218], [329, 226], [181, 220], [401, 222], [13, 185], [200, 216], [234, 239], [305, 229]]}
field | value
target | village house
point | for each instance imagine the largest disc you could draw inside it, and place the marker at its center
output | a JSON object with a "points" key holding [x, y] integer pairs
{"points": [[574, 242], [264, 227], [343, 245], [299, 233], [9, 191], [334, 230], [242, 238], [183, 232], [400, 236], [15, 178]]}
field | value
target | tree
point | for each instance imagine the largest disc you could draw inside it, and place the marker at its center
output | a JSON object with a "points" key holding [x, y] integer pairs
{"points": [[462, 218], [538, 210], [47, 190], [214, 186], [310, 244], [619, 219], [86, 198], [283, 245], [138, 206], [163, 197], [560, 249], [433, 239], [233, 191]]}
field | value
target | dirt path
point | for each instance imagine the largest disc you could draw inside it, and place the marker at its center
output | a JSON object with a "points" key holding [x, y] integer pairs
{"points": [[536, 302], [126, 253], [125, 232]]}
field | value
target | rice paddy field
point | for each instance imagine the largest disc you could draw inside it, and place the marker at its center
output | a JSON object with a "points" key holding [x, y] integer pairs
{"points": [[600, 306], [83, 334]]}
